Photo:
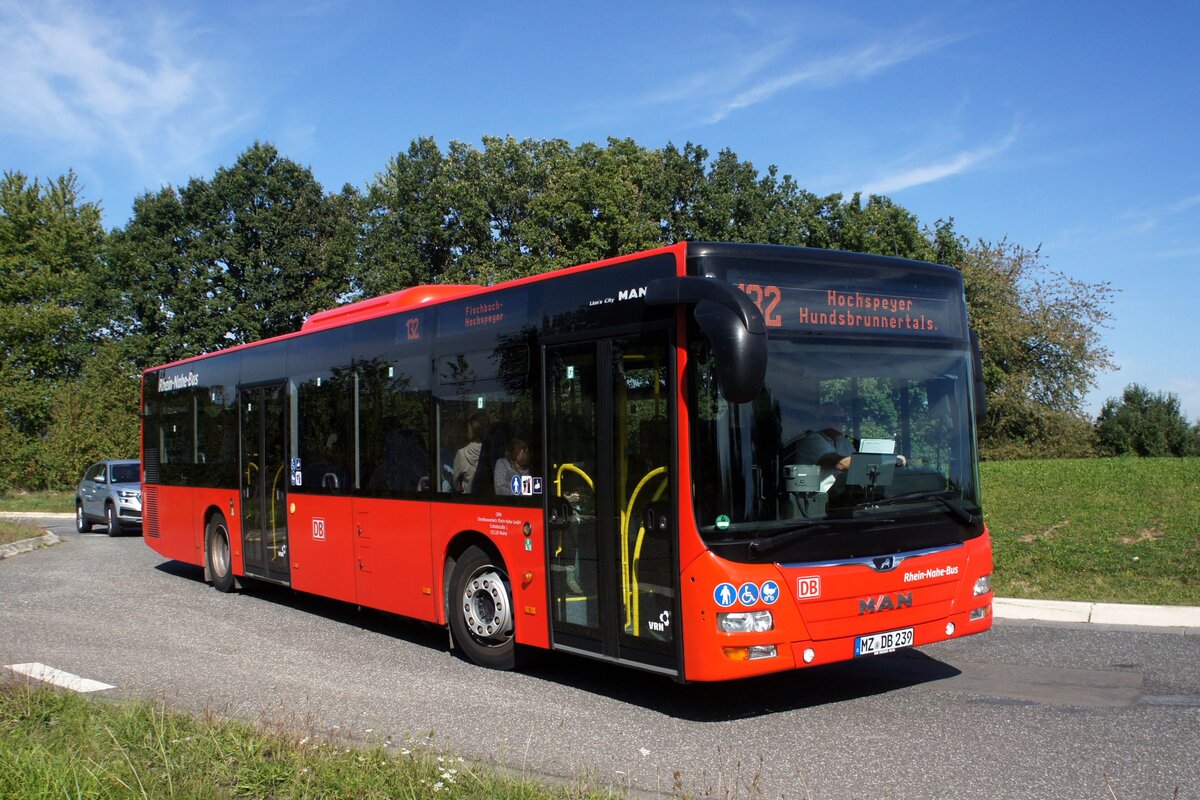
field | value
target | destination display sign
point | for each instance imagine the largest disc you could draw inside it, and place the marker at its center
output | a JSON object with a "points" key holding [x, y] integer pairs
{"points": [[836, 308]]}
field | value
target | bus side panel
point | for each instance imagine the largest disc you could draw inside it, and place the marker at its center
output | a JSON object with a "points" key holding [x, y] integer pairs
{"points": [[176, 526], [393, 557], [321, 544], [524, 558], [205, 501]]}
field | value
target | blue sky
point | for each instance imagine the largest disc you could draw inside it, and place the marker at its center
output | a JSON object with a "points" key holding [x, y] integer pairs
{"points": [[1073, 126]]}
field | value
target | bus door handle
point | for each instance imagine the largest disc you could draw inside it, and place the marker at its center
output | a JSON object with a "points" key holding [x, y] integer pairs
{"points": [[560, 513], [655, 520]]}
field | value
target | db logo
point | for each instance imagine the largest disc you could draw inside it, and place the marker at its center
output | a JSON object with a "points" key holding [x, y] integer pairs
{"points": [[808, 587], [319, 529]]}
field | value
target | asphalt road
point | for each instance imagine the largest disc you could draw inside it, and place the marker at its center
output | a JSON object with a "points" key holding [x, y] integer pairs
{"points": [[1025, 711]]}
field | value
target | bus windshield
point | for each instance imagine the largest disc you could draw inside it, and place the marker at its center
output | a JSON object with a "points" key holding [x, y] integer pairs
{"points": [[853, 448]]}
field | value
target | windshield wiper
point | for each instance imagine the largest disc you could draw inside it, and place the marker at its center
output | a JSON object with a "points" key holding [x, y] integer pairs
{"points": [[940, 495], [806, 530]]}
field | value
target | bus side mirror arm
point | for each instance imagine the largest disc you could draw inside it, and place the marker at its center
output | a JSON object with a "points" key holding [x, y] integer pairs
{"points": [[731, 322]]}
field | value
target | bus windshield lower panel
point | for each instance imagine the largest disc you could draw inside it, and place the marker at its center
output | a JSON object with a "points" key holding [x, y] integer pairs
{"points": [[854, 448]]}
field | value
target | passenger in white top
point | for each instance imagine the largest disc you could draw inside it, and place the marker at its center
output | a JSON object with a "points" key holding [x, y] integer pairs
{"points": [[466, 460]]}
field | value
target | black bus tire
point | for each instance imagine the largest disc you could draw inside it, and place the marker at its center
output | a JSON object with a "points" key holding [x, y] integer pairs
{"points": [[217, 553], [481, 610]]}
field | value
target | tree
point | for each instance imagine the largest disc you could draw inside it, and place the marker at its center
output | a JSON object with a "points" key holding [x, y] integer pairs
{"points": [[1040, 332], [50, 242], [242, 257], [93, 416], [1145, 423]]}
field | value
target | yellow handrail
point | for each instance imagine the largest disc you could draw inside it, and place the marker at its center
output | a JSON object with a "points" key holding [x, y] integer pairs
{"points": [[629, 582], [577, 471], [558, 489]]}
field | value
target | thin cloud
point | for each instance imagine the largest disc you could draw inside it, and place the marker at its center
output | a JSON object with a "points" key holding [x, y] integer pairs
{"points": [[84, 81], [955, 164], [854, 65]]}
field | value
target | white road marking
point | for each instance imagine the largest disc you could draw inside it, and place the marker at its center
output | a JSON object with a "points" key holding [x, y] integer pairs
{"points": [[57, 677]]}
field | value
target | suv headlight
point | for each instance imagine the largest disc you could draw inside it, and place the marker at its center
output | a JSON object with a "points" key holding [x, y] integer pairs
{"points": [[745, 622], [129, 494]]}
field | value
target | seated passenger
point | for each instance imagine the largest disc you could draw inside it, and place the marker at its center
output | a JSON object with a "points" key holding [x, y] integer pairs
{"points": [[514, 463], [466, 460]]}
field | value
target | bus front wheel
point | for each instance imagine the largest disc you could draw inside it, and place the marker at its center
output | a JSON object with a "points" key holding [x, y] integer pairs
{"points": [[481, 615], [217, 550]]}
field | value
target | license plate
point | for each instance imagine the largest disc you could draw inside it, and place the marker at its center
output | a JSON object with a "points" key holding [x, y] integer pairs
{"points": [[879, 643]]}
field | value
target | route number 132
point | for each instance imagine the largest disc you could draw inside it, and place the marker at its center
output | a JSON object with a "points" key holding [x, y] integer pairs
{"points": [[767, 299]]}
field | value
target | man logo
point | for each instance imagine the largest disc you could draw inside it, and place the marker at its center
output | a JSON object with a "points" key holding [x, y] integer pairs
{"points": [[885, 602]]}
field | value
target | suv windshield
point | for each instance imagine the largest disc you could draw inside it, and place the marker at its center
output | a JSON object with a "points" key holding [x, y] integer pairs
{"points": [[126, 473], [852, 449]]}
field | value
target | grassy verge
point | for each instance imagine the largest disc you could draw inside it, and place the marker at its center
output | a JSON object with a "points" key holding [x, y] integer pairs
{"points": [[12, 531], [37, 501], [1112, 530], [59, 744]]}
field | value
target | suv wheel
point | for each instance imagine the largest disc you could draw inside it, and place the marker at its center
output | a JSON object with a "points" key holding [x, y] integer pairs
{"points": [[81, 522], [114, 523]]}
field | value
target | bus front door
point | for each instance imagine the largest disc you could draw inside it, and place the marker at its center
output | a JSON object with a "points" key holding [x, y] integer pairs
{"points": [[610, 518], [264, 480]]}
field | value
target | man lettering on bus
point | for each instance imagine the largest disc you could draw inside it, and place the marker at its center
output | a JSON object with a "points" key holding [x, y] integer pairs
{"points": [[829, 448]]}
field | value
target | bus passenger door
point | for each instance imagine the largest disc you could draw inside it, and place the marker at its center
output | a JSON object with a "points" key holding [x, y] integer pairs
{"points": [[610, 520], [264, 481]]}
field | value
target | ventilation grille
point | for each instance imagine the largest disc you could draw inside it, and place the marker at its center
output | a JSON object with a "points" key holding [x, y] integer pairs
{"points": [[150, 462], [150, 511]]}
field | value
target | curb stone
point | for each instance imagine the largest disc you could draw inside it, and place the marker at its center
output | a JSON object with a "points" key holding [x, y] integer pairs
{"points": [[25, 545], [1186, 617]]}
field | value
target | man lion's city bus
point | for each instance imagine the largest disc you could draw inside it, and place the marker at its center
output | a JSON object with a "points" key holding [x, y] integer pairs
{"points": [[708, 461]]}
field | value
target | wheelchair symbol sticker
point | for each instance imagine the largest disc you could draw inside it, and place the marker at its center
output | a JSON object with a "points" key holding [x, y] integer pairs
{"points": [[748, 594]]}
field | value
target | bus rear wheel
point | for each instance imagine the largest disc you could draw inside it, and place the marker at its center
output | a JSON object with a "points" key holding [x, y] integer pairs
{"points": [[217, 552], [481, 615]]}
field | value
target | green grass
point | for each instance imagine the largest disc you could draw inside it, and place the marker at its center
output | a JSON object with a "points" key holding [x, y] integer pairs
{"points": [[13, 531], [59, 744], [38, 501], [1113, 530]]}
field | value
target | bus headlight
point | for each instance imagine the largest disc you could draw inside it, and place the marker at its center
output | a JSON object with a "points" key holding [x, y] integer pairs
{"points": [[745, 622], [983, 585]]}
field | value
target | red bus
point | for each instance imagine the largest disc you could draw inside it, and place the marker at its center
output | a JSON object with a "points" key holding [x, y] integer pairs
{"points": [[709, 461]]}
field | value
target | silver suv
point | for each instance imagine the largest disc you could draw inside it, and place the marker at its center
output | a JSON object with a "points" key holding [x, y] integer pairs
{"points": [[110, 494]]}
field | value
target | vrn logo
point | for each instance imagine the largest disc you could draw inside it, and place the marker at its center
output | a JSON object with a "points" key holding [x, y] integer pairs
{"points": [[631, 294], [885, 602]]}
